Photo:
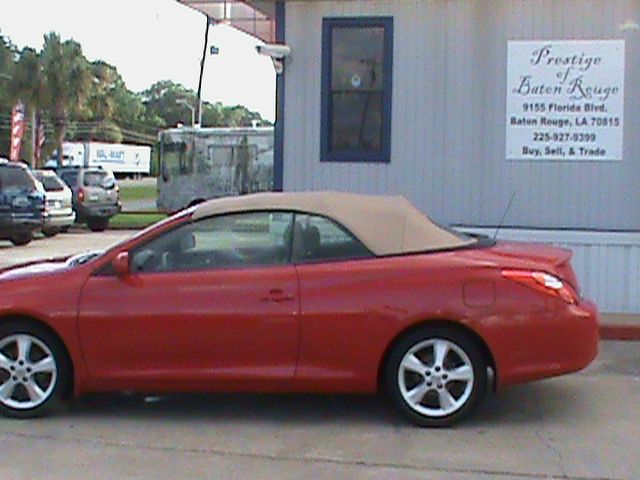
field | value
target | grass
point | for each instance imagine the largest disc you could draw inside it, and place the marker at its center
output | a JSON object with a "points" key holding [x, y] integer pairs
{"points": [[138, 192], [135, 221]]}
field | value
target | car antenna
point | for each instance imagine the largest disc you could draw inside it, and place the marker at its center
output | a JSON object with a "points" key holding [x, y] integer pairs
{"points": [[504, 215]]}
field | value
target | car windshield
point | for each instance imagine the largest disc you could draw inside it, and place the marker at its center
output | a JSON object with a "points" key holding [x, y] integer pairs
{"points": [[51, 182], [98, 179], [16, 178]]}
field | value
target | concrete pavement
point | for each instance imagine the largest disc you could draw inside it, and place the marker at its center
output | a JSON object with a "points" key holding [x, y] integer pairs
{"points": [[580, 427], [76, 241]]}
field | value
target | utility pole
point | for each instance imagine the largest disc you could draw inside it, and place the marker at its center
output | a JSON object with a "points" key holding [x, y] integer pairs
{"points": [[204, 57]]}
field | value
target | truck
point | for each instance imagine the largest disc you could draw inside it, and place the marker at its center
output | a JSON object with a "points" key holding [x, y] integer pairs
{"points": [[119, 159], [198, 164]]}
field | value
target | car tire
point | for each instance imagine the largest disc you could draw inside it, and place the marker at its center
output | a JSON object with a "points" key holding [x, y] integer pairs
{"points": [[64, 229], [98, 224], [435, 376], [34, 370], [50, 232], [20, 239]]}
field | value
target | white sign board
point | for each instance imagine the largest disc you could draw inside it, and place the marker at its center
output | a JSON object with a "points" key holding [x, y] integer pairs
{"points": [[565, 100]]}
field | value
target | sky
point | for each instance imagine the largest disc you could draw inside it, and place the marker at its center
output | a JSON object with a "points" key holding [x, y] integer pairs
{"points": [[148, 41]]}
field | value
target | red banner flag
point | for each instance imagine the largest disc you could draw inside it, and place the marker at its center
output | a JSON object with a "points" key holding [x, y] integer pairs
{"points": [[40, 138], [17, 131]]}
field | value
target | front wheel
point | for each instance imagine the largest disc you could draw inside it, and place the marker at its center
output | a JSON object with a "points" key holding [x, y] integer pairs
{"points": [[33, 370], [435, 376]]}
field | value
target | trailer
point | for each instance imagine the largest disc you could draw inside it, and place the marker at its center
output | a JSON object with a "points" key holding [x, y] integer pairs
{"points": [[120, 159], [198, 164]]}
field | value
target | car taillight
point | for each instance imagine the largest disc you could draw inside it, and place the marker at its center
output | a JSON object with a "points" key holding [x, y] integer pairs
{"points": [[543, 282], [81, 195]]}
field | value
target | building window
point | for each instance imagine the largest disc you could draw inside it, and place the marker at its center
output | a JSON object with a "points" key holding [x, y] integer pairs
{"points": [[356, 89]]}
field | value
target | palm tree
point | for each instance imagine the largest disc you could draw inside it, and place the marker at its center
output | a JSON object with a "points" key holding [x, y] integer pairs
{"points": [[102, 104], [7, 60], [7, 64], [68, 79], [27, 84]]}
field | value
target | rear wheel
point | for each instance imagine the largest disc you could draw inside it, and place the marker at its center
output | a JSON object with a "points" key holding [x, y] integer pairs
{"points": [[98, 224], [22, 238], [436, 376], [33, 370]]}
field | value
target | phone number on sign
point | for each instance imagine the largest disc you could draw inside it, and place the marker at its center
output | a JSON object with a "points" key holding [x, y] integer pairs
{"points": [[563, 137]]}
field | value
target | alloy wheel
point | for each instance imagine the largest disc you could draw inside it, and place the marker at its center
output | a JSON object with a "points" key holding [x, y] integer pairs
{"points": [[436, 377], [28, 372]]}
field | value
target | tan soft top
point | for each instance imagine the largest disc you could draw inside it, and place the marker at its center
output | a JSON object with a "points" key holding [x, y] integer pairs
{"points": [[386, 225]]}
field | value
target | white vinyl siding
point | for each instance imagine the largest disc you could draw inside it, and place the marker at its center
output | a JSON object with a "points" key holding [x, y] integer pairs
{"points": [[448, 130]]}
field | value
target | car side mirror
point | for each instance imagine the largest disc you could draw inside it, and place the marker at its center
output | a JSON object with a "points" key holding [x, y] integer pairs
{"points": [[121, 264]]}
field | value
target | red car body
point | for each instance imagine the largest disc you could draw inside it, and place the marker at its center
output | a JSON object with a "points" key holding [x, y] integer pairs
{"points": [[319, 327]]}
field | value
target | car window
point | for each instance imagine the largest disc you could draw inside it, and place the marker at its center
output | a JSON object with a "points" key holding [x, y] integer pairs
{"points": [[51, 182], [228, 241], [98, 179], [16, 178], [318, 238], [70, 178]]}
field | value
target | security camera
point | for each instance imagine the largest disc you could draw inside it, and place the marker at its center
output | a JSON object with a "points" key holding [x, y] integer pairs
{"points": [[277, 53], [274, 51]]}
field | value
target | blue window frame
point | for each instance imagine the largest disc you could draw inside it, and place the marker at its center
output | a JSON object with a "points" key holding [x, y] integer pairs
{"points": [[357, 60]]}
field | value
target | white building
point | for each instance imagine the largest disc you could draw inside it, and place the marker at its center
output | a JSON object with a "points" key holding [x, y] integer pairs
{"points": [[457, 104]]}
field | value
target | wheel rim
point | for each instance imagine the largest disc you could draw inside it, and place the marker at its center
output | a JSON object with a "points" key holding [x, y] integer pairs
{"points": [[28, 372], [436, 377]]}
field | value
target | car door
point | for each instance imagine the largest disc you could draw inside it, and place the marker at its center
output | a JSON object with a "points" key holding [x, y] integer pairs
{"points": [[210, 301], [346, 306]]}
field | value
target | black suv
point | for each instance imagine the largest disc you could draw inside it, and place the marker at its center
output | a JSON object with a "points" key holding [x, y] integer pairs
{"points": [[96, 196], [21, 203]]}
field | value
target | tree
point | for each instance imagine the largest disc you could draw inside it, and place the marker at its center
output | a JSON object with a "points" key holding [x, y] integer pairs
{"points": [[68, 83], [27, 86], [86, 101], [27, 83], [161, 100], [7, 63]]}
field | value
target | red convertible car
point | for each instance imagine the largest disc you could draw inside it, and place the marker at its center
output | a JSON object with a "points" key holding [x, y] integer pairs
{"points": [[295, 292]]}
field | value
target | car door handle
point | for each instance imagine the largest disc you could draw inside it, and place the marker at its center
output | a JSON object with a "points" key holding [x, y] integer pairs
{"points": [[277, 296]]}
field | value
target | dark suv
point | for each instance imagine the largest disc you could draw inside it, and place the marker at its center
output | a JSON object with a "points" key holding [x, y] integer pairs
{"points": [[21, 203], [96, 196]]}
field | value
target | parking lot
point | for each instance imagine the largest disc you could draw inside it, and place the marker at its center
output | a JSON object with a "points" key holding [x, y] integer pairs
{"points": [[76, 241], [581, 426]]}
